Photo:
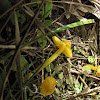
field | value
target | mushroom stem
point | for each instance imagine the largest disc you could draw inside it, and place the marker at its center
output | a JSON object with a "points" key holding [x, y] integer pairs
{"points": [[51, 59], [64, 47]]}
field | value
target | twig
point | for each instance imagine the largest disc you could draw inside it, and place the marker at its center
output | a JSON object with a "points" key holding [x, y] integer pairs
{"points": [[6, 22], [82, 71], [85, 93], [74, 3], [18, 63], [89, 75], [14, 47]]}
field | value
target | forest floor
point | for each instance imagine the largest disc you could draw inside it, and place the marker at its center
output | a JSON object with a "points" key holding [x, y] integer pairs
{"points": [[26, 31]]}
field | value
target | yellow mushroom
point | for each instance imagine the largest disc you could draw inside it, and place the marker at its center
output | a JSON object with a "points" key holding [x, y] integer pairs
{"points": [[64, 47], [95, 69], [48, 86], [92, 67], [98, 69], [67, 51]]}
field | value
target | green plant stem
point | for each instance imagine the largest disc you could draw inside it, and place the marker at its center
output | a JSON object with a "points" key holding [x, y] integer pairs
{"points": [[37, 70], [61, 29], [81, 86]]}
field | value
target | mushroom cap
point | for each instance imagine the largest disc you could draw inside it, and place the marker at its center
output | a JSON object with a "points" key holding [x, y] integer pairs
{"points": [[59, 43], [48, 86], [98, 69]]}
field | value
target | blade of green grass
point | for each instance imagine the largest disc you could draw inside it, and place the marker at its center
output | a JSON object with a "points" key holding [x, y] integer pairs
{"points": [[38, 70], [89, 21]]}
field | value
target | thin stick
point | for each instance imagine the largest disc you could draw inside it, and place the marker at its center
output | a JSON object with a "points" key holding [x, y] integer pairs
{"points": [[18, 63], [14, 47], [74, 3], [84, 93], [5, 23]]}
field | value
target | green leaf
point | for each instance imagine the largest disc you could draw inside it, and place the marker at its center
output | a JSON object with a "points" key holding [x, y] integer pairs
{"points": [[2, 77], [42, 41], [47, 9], [49, 67], [21, 18], [46, 75], [59, 82], [48, 22], [81, 51], [91, 59], [86, 69], [24, 62], [61, 75], [77, 84], [67, 80], [57, 70], [69, 66], [57, 90], [77, 90]]}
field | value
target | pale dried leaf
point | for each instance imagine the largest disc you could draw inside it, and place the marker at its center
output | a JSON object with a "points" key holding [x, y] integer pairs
{"points": [[79, 1], [82, 9], [96, 12]]}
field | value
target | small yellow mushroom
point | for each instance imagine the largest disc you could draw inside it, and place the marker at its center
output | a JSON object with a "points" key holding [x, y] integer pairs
{"points": [[67, 51], [48, 86], [92, 67], [95, 69], [98, 69], [64, 47]]}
